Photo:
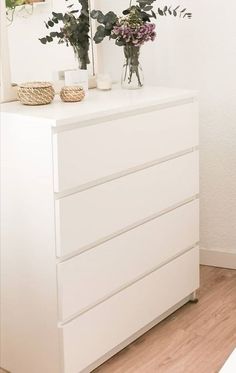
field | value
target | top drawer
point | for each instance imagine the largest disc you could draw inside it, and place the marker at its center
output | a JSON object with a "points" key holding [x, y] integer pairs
{"points": [[86, 154]]}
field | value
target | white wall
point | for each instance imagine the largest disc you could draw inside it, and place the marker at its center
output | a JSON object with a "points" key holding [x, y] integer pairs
{"points": [[200, 54]]}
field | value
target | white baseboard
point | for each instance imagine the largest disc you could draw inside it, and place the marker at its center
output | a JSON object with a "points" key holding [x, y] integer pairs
{"points": [[217, 258]]}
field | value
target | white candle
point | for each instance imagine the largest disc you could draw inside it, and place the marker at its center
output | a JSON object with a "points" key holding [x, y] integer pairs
{"points": [[104, 82]]}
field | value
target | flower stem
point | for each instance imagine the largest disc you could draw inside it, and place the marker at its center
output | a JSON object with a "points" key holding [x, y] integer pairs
{"points": [[132, 64]]}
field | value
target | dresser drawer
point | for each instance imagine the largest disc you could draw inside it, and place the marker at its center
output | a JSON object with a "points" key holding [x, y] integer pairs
{"points": [[105, 326], [95, 274], [86, 218], [90, 153]]}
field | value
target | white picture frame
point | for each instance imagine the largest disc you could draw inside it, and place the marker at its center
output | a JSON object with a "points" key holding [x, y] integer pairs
{"points": [[95, 48], [8, 93]]}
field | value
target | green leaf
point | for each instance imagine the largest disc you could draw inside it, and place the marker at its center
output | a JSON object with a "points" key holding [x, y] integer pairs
{"points": [[55, 20], [145, 17], [98, 15], [154, 14], [110, 17], [59, 16], [119, 43], [126, 12], [43, 40], [54, 34], [100, 34], [49, 38], [144, 3], [147, 8]]}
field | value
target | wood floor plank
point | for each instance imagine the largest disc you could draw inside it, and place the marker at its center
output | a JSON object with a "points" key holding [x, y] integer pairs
{"points": [[197, 338]]}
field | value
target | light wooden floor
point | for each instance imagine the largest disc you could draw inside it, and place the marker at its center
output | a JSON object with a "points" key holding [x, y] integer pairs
{"points": [[198, 338]]}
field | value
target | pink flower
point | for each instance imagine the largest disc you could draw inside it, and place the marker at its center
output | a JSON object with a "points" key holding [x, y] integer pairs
{"points": [[128, 35]]}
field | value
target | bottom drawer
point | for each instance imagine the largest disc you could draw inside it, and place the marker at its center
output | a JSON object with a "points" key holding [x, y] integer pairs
{"points": [[96, 332]]}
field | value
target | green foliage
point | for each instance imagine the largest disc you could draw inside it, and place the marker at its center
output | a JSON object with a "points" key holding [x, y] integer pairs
{"points": [[107, 21], [75, 31], [143, 11], [181, 13], [11, 4]]}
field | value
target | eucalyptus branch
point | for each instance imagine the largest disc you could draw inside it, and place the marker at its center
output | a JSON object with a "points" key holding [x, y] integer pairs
{"points": [[181, 13], [142, 12], [75, 30], [22, 6]]}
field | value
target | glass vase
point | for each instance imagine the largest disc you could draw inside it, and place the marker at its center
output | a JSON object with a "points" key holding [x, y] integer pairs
{"points": [[132, 74]]}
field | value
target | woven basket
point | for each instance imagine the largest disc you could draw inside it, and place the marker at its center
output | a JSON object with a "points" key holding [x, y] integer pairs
{"points": [[72, 94], [36, 93]]}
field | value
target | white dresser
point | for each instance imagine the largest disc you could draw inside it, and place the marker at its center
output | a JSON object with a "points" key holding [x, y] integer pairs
{"points": [[99, 224]]}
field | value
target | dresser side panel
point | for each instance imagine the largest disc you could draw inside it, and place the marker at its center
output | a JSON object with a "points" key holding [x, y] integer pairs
{"points": [[29, 334]]}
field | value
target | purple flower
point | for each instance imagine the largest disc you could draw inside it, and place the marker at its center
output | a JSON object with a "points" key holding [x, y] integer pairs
{"points": [[134, 35]]}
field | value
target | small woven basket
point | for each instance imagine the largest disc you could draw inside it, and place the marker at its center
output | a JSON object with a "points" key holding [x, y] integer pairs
{"points": [[72, 94], [36, 93]]}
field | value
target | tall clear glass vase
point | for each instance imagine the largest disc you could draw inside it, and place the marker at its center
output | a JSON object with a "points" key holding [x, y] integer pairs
{"points": [[132, 73]]}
